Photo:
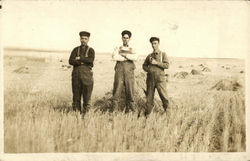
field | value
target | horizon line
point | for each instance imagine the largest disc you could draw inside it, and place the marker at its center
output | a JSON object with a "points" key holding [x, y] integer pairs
{"points": [[13, 48]]}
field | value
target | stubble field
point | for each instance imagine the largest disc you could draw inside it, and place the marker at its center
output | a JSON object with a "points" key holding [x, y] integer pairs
{"points": [[38, 116]]}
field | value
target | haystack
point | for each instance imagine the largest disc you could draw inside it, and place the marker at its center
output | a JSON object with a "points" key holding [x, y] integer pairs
{"points": [[201, 65], [65, 67], [227, 85], [22, 70], [181, 75], [180, 66], [195, 72], [206, 69], [242, 71], [105, 103]]}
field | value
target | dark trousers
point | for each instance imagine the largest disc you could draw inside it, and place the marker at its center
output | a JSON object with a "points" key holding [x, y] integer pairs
{"points": [[124, 79], [82, 86], [156, 81]]}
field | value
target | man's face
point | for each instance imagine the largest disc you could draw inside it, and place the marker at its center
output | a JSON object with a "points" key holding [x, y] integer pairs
{"points": [[84, 40], [125, 39], [155, 45]]}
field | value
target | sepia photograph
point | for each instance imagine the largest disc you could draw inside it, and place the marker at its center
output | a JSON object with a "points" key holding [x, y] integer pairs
{"points": [[124, 80]]}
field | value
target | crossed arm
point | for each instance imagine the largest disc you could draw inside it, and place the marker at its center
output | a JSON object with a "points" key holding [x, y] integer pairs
{"points": [[76, 62], [121, 57]]}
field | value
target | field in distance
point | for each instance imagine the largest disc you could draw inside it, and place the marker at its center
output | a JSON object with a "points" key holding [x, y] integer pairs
{"points": [[206, 114]]}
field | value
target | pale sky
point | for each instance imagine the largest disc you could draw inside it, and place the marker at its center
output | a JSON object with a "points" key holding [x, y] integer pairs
{"points": [[186, 28]]}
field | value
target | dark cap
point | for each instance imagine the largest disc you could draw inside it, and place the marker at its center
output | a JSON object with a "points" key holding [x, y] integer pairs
{"points": [[126, 32], [154, 39], [84, 33]]}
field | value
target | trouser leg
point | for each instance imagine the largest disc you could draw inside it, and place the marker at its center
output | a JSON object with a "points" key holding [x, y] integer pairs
{"points": [[117, 88], [87, 92], [162, 90], [129, 90], [150, 94], [77, 93]]}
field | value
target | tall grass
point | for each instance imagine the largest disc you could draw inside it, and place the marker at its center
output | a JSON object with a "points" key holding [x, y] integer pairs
{"points": [[200, 122]]}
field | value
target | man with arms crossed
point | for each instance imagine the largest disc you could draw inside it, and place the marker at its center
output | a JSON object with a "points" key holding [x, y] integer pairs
{"points": [[124, 72], [82, 58]]}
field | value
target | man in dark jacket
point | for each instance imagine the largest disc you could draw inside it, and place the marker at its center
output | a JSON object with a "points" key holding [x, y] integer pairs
{"points": [[82, 58], [154, 65]]}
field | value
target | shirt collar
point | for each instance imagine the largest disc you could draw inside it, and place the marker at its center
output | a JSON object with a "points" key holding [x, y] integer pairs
{"points": [[84, 46], [157, 52]]}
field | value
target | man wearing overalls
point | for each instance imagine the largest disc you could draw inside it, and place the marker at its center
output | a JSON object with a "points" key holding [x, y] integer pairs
{"points": [[124, 72], [82, 58], [154, 65]]}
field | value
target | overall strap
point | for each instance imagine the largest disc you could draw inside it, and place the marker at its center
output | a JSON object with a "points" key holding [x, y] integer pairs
{"points": [[78, 51], [161, 55], [87, 52], [120, 48]]}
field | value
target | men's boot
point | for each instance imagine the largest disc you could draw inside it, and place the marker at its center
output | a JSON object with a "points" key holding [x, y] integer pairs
{"points": [[84, 109], [76, 107], [130, 107], [115, 107], [165, 107]]}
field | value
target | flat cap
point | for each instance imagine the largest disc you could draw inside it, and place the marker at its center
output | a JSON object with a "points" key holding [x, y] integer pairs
{"points": [[154, 39], [126, 32], [84, 33]]}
